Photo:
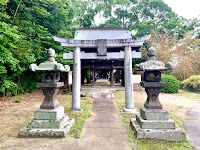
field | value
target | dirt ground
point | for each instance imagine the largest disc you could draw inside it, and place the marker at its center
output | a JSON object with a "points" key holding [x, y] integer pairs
{"points": [[176, 104], [14, 115]]}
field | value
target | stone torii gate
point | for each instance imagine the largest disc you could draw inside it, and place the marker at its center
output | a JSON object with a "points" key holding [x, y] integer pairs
{"points": [[103, 44]]}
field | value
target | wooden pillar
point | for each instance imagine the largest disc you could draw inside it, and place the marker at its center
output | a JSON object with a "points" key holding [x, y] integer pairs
{"points": [[123, 83], [117, 76], [93, 77], [82, 76], [76, 100], [129, 99], [112, 77]]}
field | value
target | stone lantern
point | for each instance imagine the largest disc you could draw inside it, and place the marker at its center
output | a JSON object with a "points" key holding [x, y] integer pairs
{"points": [[153, 121], [49, 120]]}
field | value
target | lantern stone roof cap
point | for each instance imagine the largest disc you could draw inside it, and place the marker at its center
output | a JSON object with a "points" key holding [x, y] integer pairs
{"points": [[152, 64], [50, 64]]}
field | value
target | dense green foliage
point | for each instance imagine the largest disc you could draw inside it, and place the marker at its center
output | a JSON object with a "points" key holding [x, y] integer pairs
{"points": [[27, 28], [14, 58], [172, 84], [140, 16], [191, 84], [26, 31]]}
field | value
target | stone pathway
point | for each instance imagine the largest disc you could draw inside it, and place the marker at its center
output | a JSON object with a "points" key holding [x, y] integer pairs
{"points": [[104, 127], [102, 131], [192, 126]]}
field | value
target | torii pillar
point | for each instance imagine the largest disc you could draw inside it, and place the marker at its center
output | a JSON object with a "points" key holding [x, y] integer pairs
{"points": [[129, 99], [76, 100]]}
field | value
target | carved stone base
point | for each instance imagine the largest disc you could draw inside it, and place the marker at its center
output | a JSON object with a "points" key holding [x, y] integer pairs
{"points": [[154, 114], [175, 135], [48, 123], [156, 124], [50, 91], [50, 101]]}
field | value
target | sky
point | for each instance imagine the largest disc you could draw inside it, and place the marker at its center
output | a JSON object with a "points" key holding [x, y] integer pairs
{"points": [[187, 8]]}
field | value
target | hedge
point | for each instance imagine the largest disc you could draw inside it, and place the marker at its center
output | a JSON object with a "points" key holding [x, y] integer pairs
{"points": [[191, 84], [172, 84]]}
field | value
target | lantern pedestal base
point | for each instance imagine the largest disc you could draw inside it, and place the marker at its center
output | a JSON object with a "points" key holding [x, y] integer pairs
{"points": [[155, 124], [51, 123], [175, 135]]}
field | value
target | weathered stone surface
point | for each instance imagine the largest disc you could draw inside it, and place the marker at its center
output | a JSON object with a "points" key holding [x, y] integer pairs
{"points": [[83, 95], [152, 76], [153, 90], [50, 64], [50, 84], [54, 124], [48, 124], [155, 124], [49, 120], [50, 77], [176, 134], [152, 84], [130, 111], [153, 64], [50, 133], [153, 114], [50, 101], [49, 114]]}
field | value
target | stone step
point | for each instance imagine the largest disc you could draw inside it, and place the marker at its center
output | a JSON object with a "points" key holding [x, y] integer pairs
{"points": [[50, 133], [177, 134], [48, 124], [154, 114], [155, 124], [49, 114]]}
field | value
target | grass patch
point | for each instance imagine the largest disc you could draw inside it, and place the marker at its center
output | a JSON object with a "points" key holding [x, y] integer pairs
{"points": [[147, 144], [189, 94], [177, 120], [80, 117], [18, 101]]}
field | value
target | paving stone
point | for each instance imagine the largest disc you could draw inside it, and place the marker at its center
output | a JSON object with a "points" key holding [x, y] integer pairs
{"points": [[191, 123]]}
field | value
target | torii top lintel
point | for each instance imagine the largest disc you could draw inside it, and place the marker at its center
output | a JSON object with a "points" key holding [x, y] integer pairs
{"points": [[115, 37]]}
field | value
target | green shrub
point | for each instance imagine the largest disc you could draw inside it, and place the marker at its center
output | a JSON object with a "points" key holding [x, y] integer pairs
{"points": [[18, 101], [172, 84], [191, 84]]}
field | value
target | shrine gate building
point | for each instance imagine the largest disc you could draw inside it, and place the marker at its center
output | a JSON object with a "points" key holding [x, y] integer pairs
{"points": [[103, 49]]}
